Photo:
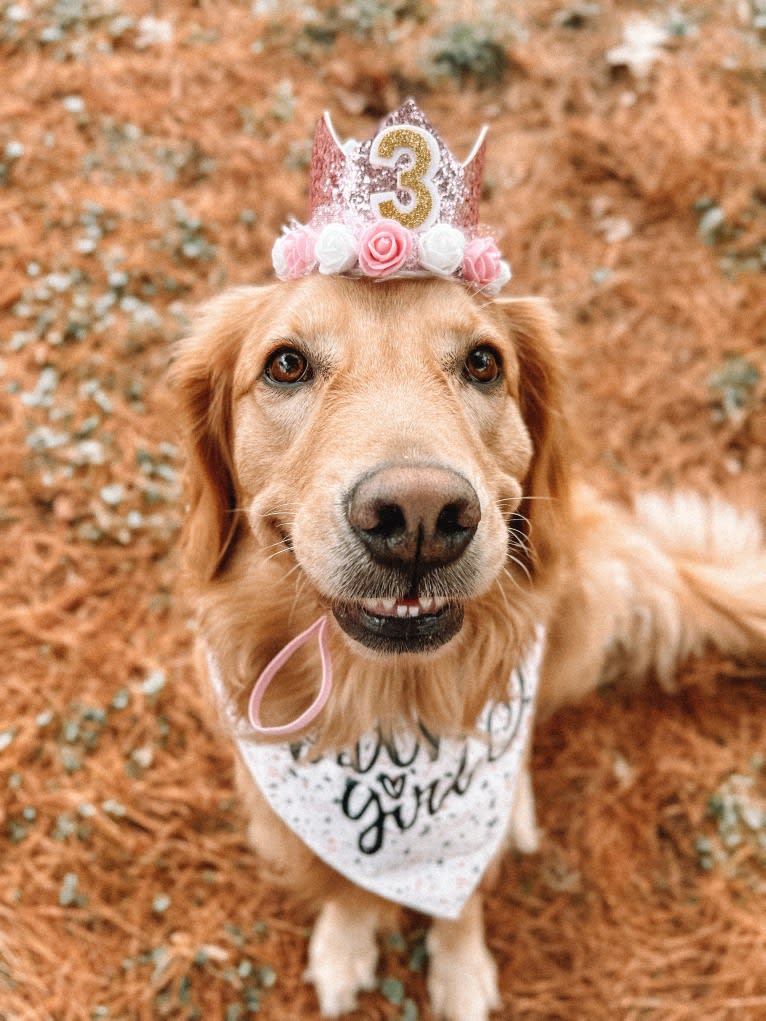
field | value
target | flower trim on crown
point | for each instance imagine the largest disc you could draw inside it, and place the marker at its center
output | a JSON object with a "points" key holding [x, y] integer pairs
{"points": [[385, 248], [398, 205]]}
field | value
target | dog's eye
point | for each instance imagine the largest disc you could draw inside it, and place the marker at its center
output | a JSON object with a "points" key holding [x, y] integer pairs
{"points": [[482, 365], [287, 367]]}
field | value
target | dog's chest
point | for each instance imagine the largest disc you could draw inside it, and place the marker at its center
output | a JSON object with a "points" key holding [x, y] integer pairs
{"points": [[415, 819]]}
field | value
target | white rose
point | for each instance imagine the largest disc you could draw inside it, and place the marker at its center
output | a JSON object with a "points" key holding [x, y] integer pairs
{"points": [[500, 280], [335, 249], [441, 249], [278, 260]]}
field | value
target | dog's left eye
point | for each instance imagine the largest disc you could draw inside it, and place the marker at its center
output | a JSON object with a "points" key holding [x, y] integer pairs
{"points": [[287, 366], [483, 365]]}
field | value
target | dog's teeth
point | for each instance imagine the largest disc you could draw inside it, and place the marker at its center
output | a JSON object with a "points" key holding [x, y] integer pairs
{"points": [[404, 608]]}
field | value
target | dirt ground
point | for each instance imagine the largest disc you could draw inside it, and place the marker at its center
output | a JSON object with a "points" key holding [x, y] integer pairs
{"points": [[149, 154]]}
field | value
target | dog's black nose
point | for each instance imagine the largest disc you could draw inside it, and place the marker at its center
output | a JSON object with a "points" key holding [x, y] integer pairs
{"points": [[409, 513]]}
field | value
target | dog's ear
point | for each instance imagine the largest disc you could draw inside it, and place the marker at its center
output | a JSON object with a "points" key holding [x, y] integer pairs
{"points": [[545, 509], [202, 376]]}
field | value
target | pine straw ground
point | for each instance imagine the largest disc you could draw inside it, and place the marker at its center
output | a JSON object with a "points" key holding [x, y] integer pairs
{"points": [[146, 165]]}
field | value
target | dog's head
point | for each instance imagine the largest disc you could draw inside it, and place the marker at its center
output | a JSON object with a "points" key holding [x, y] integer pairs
{"points": [[398, 445]]}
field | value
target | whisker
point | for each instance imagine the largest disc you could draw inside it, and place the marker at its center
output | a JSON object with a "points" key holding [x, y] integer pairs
{"points": [[520, 539], [237, 510], [522, 567], [295, 568], [281, 547], [272, 512], [502, 593], [271, 545], [505, 501], [519, 542], [520, 517], [277, 553]]}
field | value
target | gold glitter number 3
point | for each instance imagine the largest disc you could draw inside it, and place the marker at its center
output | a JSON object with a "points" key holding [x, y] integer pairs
{"points": [[419, 152]]}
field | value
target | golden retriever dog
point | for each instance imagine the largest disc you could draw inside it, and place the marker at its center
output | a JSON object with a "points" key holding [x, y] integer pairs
{"points": [[382, 467]]}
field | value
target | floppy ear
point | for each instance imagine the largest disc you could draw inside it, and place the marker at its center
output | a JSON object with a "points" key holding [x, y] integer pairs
{"points": [[545, 509], [201, 377]]}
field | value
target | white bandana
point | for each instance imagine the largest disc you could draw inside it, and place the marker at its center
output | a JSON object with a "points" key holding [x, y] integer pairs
{"points": [[417, 819]]}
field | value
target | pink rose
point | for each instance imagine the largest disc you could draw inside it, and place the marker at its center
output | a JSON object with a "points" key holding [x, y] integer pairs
{"points": [[384, 247], [294, 253], [481, 262]]}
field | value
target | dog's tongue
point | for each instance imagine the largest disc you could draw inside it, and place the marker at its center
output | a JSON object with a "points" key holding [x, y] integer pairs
{"points": [[318, 628]]}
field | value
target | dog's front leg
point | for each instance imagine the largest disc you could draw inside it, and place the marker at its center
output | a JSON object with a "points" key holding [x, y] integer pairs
{"points": [[462, 977], [343, 953], [524, 834]]}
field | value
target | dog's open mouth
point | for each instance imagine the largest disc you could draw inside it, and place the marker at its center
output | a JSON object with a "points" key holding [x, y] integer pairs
{"points": [[400, 625]]}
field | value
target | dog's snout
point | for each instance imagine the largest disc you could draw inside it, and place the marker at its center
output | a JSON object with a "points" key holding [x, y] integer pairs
{"points": [[408, 513]]}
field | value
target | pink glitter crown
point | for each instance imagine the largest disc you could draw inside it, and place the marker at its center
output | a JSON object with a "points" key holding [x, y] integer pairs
{"points": [[399, 204]]}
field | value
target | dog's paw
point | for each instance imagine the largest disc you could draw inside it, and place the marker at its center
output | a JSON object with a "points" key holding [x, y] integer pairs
{"points": [[343, 956], [462, 983]]}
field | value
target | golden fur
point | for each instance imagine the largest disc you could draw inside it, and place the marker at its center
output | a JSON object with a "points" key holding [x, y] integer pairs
{"points": [[620, 594]]}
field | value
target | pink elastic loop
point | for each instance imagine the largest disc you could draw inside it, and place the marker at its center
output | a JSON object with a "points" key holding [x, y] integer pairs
{"points": [[319, 627]]}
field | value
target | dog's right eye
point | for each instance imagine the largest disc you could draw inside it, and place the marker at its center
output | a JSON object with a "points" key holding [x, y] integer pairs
{"points": [[286, 367]]}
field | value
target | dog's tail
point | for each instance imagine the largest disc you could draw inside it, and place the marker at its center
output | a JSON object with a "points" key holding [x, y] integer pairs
{"points": [[648, 590]]}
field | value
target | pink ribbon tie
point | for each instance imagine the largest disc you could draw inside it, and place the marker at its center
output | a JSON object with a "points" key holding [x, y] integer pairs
{"points": [[318, 628]]}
